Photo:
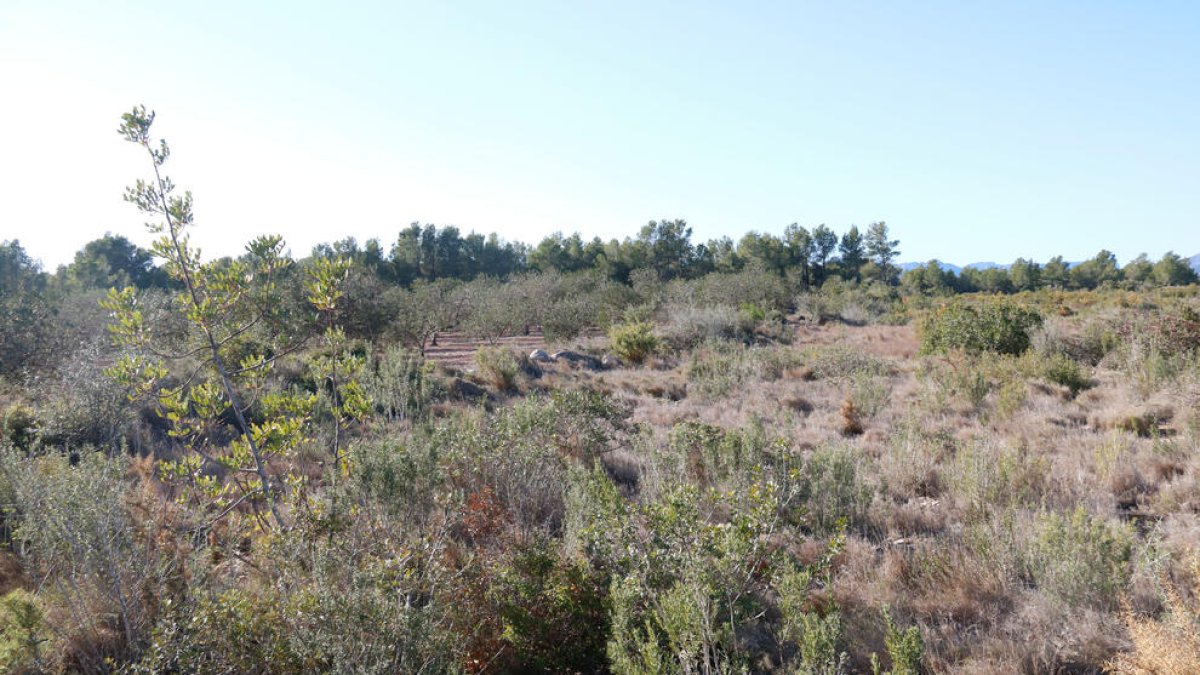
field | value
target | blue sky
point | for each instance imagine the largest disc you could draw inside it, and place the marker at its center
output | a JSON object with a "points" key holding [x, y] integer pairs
{"points": [[977, 132]]}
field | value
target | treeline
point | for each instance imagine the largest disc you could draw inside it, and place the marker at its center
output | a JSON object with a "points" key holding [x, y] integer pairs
{"points": [[810, 257], [428, 253], [434, 279], [807, 258], [1101, 271]]}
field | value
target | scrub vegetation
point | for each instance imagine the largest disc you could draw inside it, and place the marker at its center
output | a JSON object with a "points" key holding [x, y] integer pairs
{"points": [[782, 455]]}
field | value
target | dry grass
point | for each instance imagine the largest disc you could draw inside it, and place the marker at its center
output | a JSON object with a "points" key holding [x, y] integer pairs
{"points": [[955, 470], [1168, 645], [962, 458]]}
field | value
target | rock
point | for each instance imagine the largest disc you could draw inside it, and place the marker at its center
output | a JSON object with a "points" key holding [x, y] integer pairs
{"points": [[540, 356], [577, 359]]}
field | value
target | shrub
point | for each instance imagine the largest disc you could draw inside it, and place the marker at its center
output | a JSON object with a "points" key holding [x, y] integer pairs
{"points": [[904, 647], [986, 478], [553, 610], [687, 327], [1149, 367], [1156, 348], [871, 394], [634, 342], [686, 589], [717, 369], [1079, 559], [998, 327], [18, 425], [1168, 333], [499, 367], [520, 454], [775, 363], [230, 631], [720, 457], [831, 491], [838, 361], [1011, 397], [402, 384], [87, 407], [815, 308], [853, 304], [78, 535], [386, 610], [1062, 370], [815, 629], [21, 624], [401, 478]]}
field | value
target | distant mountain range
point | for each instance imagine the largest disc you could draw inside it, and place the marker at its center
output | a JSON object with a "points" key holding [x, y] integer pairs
{"points": [[1194, 261], [957, 269]]}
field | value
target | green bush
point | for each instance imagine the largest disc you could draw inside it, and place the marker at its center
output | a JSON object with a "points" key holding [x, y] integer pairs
{"points": [[842, 361], [634, 342], [986, 478], [685, 589], [18, 425], [499, 367], [997, 327], [905, 648], [21, 624], [78, 534], [402, 384], [400, 478], [718, 369], [553, 610], [231, 631], [1079, 559], [1061, 370], [727, 458], [870, 394], [831, 491], [814, 634]]}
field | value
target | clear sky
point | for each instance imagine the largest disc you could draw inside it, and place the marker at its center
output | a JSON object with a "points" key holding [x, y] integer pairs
{"points": [[978, 131]]}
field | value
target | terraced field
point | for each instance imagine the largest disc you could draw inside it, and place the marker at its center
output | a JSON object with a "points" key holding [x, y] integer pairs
{"points": [[457, 350]]}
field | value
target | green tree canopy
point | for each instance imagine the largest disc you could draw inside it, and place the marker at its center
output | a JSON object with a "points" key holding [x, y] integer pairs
{"points": [[851, 253], [883, 251], [1173, 270], [112, 261]]}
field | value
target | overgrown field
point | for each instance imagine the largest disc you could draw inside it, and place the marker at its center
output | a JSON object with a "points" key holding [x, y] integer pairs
{"points": [[356, 465], [994, 486]]}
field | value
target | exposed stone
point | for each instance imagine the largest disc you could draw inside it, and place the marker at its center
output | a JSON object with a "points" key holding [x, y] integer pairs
{"points": [[577, 359], [609, 361]]}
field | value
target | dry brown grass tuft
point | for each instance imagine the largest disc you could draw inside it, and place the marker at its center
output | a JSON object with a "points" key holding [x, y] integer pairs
{"points": [[1144, 421], [851, 419], [1169, 645]]}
